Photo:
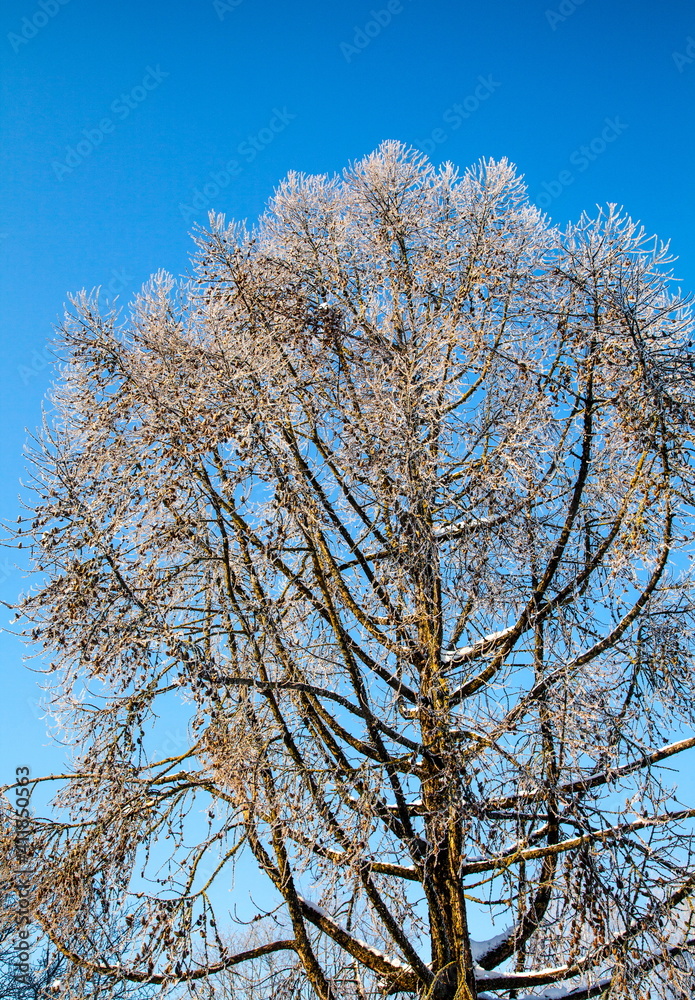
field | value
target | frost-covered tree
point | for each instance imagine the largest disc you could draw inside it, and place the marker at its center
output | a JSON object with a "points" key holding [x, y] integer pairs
{"points": [[35, 981], [390, 507], [42, 977]]}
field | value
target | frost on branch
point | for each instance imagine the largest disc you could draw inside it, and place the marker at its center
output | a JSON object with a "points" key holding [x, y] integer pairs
{"points": [[387, 512]]}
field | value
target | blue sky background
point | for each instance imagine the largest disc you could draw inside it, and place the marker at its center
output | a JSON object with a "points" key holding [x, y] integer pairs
{"points": [[119, 122]]}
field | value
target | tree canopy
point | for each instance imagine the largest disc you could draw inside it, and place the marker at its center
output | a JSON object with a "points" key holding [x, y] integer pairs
{"points": [[391, 502]]}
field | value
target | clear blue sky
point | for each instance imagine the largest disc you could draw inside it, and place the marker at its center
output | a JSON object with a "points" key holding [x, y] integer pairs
{"points": [[119, 122]]}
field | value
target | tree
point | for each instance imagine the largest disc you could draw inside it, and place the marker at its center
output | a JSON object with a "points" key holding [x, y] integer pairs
{"points": [[32, 985], [44, 980], [392, 500]]}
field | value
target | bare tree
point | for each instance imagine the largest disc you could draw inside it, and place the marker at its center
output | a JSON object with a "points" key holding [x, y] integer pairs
{"points": [[46, 979], [34, 983], [392, 503]]}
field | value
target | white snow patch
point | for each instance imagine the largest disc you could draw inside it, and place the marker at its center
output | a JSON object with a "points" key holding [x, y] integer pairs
{"points": [[449, 529], [363, 944], [479, 949], [456, 654]]}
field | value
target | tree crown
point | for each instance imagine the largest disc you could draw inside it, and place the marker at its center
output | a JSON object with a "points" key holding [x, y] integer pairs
{"points": [[389, 498]]}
